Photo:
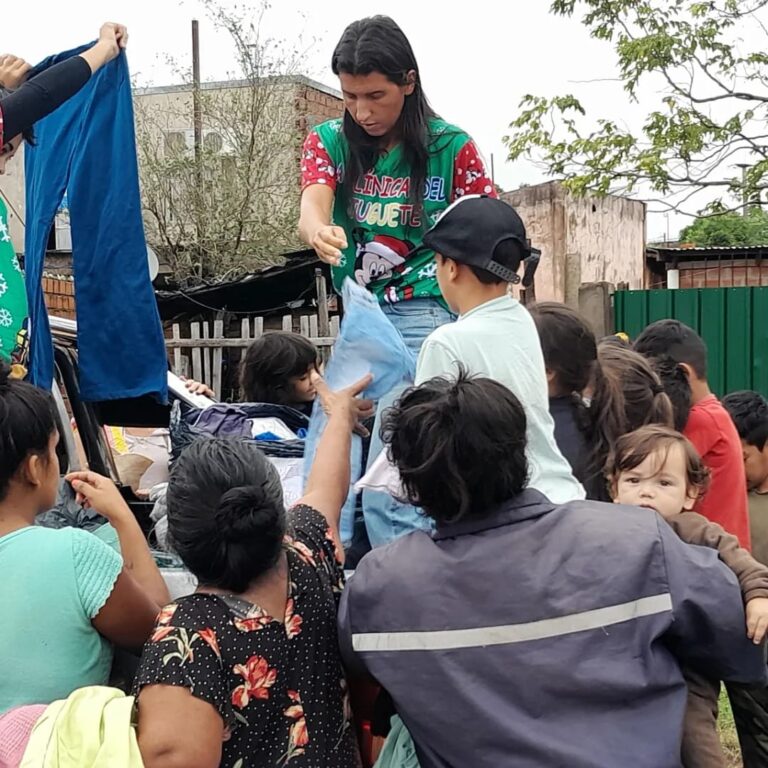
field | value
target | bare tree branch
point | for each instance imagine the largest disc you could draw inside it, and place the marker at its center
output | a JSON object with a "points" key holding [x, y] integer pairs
{"points": [[244, 215]]}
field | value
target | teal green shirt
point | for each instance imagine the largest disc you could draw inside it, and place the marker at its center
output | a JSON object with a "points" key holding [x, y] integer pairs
{"points": [[54, 582]]}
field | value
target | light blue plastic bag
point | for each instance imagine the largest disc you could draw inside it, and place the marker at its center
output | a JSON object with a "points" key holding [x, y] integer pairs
{"points": [[367, 343]]}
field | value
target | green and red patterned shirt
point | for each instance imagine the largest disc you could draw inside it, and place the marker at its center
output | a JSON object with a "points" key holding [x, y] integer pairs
{"points": [[381, 221], [13, 302]]}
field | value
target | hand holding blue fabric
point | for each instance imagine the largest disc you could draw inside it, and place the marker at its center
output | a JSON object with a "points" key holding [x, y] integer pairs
{"points": [[367, 344]]}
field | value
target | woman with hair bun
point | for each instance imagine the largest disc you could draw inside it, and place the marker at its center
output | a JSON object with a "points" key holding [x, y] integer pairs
{"points": [[247, 670]]}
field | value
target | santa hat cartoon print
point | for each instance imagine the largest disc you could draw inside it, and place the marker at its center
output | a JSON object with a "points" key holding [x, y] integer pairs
{"points": [[377, 258]]}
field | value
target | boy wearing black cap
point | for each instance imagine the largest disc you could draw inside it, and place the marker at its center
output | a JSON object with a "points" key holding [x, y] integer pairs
{"points": [[480, 244]]}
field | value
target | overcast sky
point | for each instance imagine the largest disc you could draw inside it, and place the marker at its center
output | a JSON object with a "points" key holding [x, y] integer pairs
{"points": [[476, 62]]}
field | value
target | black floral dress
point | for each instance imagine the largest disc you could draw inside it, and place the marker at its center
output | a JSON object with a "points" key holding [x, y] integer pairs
{"points": [[279, 686]]}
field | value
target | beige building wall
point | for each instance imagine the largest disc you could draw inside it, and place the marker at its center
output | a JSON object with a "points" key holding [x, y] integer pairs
{"points": [[582, 239], [12, 190], [302, 103], [294, 106]]}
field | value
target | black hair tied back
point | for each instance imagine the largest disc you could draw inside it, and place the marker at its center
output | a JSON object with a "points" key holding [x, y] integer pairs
{"points": [[226, 515], [27, 424], [245, 513], [5, 378]]}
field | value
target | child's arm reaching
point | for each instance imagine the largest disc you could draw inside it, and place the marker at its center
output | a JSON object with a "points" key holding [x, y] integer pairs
{"points": [[752, 575]]}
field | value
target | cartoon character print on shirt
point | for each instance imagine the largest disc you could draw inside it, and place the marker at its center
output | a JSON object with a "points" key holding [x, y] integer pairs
{"points": [[395, 290], [378, 257], [471, 175], [20, 354], [393, 294]]}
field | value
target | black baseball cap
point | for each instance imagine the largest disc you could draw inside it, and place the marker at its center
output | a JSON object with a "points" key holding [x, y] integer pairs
{"points": [[470, 230]]}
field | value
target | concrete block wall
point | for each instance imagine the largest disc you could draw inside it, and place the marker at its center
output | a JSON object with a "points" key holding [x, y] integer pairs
{"points": [[582, 239]]}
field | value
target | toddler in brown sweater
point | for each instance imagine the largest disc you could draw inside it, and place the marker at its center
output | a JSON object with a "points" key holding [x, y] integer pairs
{"points": [[658, 468]]}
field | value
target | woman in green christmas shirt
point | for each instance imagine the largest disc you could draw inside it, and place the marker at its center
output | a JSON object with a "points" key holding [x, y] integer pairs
{"points": [[375, 180]]}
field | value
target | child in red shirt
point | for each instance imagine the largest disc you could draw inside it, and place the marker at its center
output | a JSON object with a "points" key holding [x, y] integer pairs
{"points": [[709, 426]]}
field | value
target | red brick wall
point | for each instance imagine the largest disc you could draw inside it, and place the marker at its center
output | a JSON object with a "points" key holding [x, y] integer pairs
{"points": [[726, 274], [59, 293], [315, 107]]}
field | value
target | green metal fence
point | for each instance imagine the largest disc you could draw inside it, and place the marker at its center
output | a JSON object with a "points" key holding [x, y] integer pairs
{"points": [[732, 321]]}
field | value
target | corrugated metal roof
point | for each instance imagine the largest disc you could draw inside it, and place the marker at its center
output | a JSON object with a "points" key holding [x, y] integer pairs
{"points": [[293, 260], [278, 287], [675, 254], [699, 248]]}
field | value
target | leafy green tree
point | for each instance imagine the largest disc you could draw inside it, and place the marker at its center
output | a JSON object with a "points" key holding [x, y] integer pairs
{"points": [[712, 113], [728, 229]]}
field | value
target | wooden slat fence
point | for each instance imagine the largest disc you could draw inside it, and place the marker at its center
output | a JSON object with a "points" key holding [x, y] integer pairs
{"points": [[200, 356]]}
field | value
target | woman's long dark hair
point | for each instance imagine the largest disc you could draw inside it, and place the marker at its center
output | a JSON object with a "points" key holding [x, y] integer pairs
{"points": [[226, 518], [628, 394], [377, 44], [568, 344], [27, 422]]}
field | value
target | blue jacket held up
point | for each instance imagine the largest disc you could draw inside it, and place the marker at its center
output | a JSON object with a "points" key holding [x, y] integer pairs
{"points": [[87, 149]]}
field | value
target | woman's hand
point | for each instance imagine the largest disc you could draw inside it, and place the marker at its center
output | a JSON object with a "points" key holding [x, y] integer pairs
{"points": [[112, 38], [365, 409], [345, 404], [98, 493], [328, 241], [198, 388], [13, 71], [118, 619]]}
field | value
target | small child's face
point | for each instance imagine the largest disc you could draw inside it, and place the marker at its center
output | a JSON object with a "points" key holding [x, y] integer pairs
{"points": [[660, 483], [755, 464], [303, 389]]}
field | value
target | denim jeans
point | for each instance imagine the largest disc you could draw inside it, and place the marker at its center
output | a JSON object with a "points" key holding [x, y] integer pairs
{"points": [[416, 319], [385, 518]]}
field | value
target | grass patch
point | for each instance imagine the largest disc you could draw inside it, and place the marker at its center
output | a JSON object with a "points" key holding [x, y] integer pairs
{"points": [[728, 737]]}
